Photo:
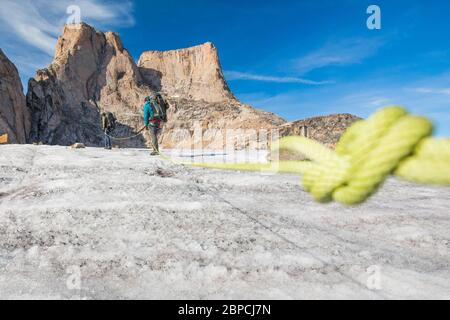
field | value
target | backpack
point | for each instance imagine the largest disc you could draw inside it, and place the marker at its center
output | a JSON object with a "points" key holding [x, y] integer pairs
{"points": [[159, 109]]}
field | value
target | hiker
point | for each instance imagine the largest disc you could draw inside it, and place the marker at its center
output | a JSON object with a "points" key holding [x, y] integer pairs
{"points": [[154, 115], [108, 125]]}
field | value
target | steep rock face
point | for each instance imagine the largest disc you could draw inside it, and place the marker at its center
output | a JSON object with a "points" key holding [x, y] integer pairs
{"points": [[91, 73], [193, 73], [221, 124], [202, 105], [14, 116]]}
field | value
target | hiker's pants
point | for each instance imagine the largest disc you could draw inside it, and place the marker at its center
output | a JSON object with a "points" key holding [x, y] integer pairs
{"points": [[107, 140], [153, 132]]}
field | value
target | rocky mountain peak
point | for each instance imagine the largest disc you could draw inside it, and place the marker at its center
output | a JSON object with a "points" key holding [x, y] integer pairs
{"points": [[193, 73], [92, 72]]}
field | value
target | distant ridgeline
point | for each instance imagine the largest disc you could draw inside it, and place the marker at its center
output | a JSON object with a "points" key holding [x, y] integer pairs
{"points": [[92, 72]]}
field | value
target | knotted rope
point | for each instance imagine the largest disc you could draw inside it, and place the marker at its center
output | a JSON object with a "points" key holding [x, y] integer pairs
{"points": [[390, 142]]}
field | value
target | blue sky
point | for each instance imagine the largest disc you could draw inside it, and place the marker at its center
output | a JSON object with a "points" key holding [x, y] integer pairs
{"points": [[294, 58]]}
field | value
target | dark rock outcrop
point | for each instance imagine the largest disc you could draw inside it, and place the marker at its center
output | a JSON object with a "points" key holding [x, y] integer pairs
{"points": [[14, 116]]}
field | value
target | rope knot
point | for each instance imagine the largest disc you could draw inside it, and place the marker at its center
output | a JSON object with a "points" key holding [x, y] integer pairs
{"points": [[390, 141]]}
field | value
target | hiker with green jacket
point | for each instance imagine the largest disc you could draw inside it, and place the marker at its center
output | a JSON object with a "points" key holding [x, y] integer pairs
{"points": [[154, 115]]}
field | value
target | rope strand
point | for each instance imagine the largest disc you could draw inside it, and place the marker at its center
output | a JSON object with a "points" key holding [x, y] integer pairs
{"points": [[127, 138], [389, 142]]}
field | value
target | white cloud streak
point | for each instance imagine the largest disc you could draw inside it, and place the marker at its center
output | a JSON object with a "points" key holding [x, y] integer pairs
{"points": [[444, 91], [341, 53], [236, 75], [362, 99], [38, 22]]}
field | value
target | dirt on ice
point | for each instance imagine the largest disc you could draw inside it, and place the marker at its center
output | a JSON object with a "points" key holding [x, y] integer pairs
{"points": [[95, 224]]}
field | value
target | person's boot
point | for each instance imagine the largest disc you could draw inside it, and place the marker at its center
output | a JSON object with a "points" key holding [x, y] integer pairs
{"points": [[154, 153]]}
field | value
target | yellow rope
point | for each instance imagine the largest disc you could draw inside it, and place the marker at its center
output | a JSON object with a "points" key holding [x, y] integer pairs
{"points": [[390, 142]]}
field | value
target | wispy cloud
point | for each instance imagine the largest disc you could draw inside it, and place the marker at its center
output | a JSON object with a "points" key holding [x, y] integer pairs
{"points": [[444, 91], [362, 99], [236, 75], [24, 22], [340, 53], [38, 22], [31, 27]]}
